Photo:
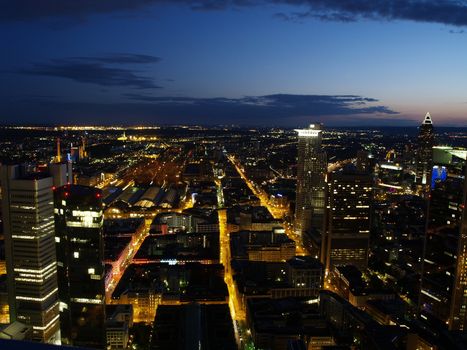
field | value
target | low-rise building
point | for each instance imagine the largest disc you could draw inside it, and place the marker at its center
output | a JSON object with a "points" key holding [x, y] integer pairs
{"points": [[117, 326], [261, 246], [16, 331]]}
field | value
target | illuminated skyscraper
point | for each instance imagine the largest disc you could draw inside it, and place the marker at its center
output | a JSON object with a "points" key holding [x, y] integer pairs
{"points": [[83, 154], [458, 314], [27, 202], [443, 294], [349, 218], [424, 160], [81, 273], [310, 203]]}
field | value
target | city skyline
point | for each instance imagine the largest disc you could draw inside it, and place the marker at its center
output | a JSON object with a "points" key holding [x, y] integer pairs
{"points": [[271, 63], [233, 174], [197, 237]]}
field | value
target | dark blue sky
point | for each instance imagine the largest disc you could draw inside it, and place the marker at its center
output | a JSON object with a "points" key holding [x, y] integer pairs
{"points": [[281, 62]]}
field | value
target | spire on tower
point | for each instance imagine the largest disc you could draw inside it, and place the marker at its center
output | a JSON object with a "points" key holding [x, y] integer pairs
{"points": [[427, 119]]}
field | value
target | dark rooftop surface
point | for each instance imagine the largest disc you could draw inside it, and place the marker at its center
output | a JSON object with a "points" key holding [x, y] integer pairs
{"points": [[79, 190], [189, 282], [122, 226], [26, 345], [193, 326], [181, 246]]}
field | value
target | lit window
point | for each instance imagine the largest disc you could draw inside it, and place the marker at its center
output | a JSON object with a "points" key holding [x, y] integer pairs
{"points": [[76, 255], [91, 270]]}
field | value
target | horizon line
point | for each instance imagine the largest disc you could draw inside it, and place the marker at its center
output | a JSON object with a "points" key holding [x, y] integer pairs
{"points": [[148, 125]]}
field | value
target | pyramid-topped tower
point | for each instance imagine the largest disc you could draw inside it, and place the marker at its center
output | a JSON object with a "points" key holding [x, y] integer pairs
{"points": [[424, 161]]}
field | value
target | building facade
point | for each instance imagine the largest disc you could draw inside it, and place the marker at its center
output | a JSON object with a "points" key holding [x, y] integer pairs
{"points": [[349, 218], [62, 173], [443, 292], [27, 201], [80, 259], [310, 205], [424, 160]]}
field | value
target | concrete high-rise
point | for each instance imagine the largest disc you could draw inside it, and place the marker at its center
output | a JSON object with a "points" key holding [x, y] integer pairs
{"points": [[28, 216], [443, 292], [310, 205], [80, 259], [424, 159], [349, 218], [62, 173]]}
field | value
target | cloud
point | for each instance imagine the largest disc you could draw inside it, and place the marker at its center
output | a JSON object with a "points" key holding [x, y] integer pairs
{"points": [[299, 17], [121, 58], [97, 70], [450, 12], [447, 12], [26, 10], [267, 110], [267, 106]]}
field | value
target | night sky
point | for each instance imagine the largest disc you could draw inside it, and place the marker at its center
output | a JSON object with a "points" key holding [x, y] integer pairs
{"points": [[246, 62]]}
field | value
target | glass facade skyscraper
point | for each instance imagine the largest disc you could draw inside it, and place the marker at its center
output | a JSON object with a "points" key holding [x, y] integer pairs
{"points": [[443, 296], [81, 273]]}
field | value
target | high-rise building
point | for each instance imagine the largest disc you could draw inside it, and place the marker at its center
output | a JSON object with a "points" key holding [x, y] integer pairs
{"points": [[81, 273], [82, 152], [365, 162], [310, 203], [349, 218], [424, 160], [443, 292], [62, 173], [458, 314], [28, 216]]}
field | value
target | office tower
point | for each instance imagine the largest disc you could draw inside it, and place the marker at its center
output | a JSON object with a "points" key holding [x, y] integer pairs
{"points": [[349, 218], [458, 314], [443, 289], [82, 152], [311, 188], [62, 173], [364, 162], [424, 160], [74, 153], [81, 274], [27, 203]]}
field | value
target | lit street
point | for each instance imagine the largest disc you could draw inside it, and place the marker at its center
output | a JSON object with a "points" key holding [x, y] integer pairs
{"points": [[277, 213], [120, 270]]}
